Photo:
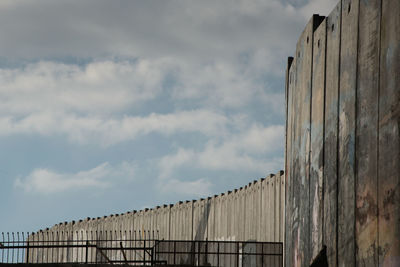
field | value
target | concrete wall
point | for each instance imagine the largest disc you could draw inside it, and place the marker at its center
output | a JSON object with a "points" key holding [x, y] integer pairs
{"points": [[253, 212], [343, 137]]}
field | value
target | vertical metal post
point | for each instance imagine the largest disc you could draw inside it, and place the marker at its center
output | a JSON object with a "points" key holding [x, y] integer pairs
{"points": [[262, 254], [120, 238], [58, 249], [12, 251], [217, 254], [115, 243], [134, 236], [2, 251], [206, 251], [130, 244], [8, 243], [198, 252], [90, 238], [98, 243], [52, 249], [237, 254], [144, 251], [23, 243], [18, 249], [27, 248], [47, 249], [87, 250], [152, 256], [42, 250], [174, 252]]}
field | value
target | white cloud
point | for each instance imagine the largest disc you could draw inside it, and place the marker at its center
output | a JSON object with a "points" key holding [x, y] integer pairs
{"points": [[98, 87], [203, 30], [219, 84], [254, 150], [170, 162], [109, 131], [90, 104], [108, 87], [197, 188], [48, 181]]}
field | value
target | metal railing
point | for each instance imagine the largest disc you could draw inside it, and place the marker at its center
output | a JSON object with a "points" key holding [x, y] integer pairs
{"points": [[219, 253], [130, 248], [109, 247]]}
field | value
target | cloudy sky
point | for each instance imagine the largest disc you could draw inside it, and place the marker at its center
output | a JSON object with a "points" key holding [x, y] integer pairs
{"points": [[110, 106]]}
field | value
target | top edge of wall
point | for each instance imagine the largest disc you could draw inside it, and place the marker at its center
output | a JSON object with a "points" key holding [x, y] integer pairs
{"points": [[169, 206]]}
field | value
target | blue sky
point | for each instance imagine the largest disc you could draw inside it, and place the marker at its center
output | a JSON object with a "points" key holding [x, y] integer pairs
{"points": [[111, 106]]}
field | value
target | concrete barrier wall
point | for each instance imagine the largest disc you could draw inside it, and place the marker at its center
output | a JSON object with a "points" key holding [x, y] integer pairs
{"points": [[343, 138], [253, 212]]}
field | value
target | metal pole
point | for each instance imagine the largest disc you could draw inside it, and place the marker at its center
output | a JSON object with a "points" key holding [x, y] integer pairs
{"points": [[217, 254], [144, 251], [12, 251], [152, 256], [237, 255], [8, 243], [87, 250], [174, 251], [27, 250], [262, 254], [123, 252], [206, 250]]}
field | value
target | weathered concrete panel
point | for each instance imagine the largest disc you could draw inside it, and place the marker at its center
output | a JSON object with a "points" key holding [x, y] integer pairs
{"points": [[330, 192], [246, 213], [277, 216], [250, 211], [211, 219], [188, 223], [239, 216], [271, 209], [301, 146], [217, 219], [291, 206], [389, 136], [257, 209], [242, 213], [267, 199], [317, 139], [229, 214], [347, 125], [164, 222], [282, 208], [264, 210], [366, 232], [174, 224], [224, 218]]}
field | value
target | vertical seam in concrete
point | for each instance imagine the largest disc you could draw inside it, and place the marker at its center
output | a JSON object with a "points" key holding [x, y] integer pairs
{"points": [[377, 127], [355, 170], [323, 137], [309, 145], [337, 135]]}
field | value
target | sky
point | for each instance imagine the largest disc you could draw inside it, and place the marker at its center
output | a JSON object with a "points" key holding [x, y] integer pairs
{"points": [[113, 106]]}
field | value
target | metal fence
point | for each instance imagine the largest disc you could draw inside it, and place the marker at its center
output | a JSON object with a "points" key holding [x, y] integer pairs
{"points": [[219, 253], [113, 247], [130, 248]]}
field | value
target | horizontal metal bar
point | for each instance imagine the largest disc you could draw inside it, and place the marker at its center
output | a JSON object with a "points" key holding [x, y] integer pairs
{"points": [[220, 253]]}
